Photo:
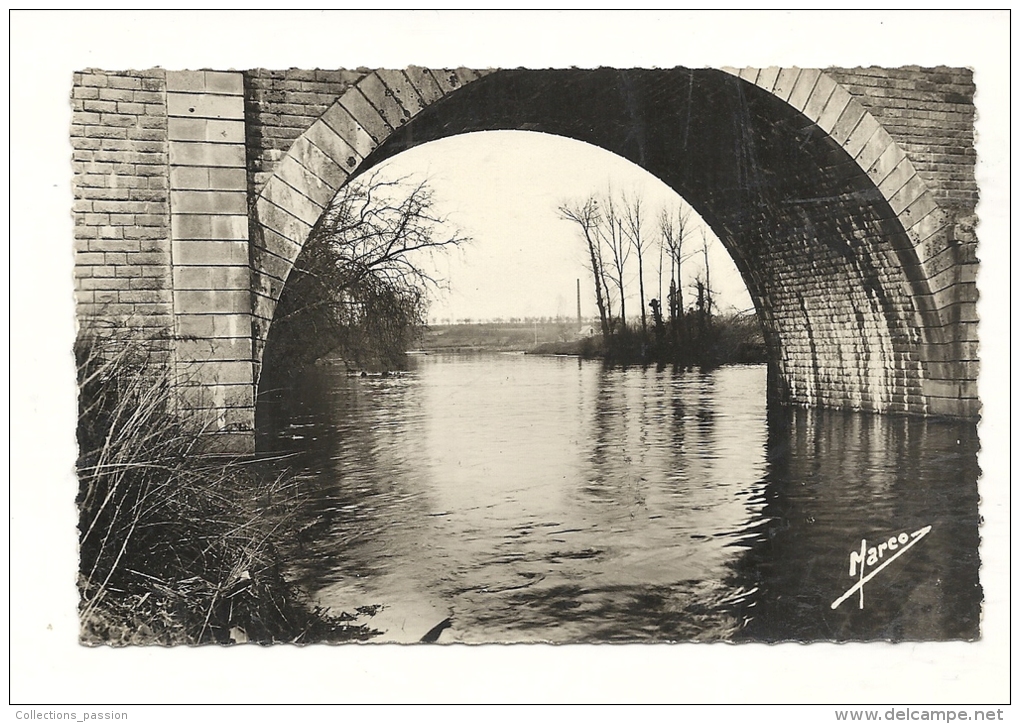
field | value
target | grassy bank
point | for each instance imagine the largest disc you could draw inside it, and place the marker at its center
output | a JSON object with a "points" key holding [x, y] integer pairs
{"points": [[495, 336], [177, 547]]}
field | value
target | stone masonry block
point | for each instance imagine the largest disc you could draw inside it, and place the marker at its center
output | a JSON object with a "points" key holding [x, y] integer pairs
{"points": [[354, 142], [206, 227], [274, 218], [206, 154], [218, 301], [298, 177], [379, 96], [469, 75], [291, 200], [834, 107], [203, 105], [104, 132], [224, 82], [202, 177], [118, 80], [847, 122], [210, 253], [899, 176], [213, 326], [280, 246], [785, 82], [132, 109], [212, 277], [447, 79], [402, 90], [802, 88], [86, 118], [235, 349], [117, 94], [97, 106], [874, 148], [205, 129], [268, 291], [209, 202], [424, 83], [118, 119], [149, 283], [908, 197], [886, 163], [143, 296], [860, 135], [317, 163], [766, 79], [219, 373], [277, 258], [365, 114], [94, 79]]}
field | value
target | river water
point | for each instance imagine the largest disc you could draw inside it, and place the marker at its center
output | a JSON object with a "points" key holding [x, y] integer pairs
{"points": [[536, 498]]}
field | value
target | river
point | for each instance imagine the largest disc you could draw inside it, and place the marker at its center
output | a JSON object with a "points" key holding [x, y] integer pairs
{"points": [[551, 499]]}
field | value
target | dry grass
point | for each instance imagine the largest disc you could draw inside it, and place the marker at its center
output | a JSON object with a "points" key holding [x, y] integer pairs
{"points": [[176, 547]]}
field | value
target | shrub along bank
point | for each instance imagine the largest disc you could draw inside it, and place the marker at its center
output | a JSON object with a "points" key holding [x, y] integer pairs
{"points": [[177, 547]]}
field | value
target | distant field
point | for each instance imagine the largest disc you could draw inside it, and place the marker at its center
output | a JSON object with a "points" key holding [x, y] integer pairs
{"points": [[496, 337]]}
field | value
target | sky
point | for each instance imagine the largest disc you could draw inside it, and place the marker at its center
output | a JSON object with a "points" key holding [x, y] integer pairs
{"points": [[503, 188]]}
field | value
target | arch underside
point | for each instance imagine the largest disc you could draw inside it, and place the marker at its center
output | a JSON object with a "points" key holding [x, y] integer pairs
{"points": [[834, 276]]}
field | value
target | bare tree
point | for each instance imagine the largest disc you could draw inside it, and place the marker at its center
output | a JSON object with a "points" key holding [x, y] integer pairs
{"points": [[634, 231], [674, 227], [708, 275], [611, 234], [361, 282], [586, 215]]}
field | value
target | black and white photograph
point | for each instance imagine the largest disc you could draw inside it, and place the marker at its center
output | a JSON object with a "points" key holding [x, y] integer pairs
{"points": [[381, 357]]}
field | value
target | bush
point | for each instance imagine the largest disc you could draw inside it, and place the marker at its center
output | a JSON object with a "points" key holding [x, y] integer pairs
{"points": [[176, 547]]}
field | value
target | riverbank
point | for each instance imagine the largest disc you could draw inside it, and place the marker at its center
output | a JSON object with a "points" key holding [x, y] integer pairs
{"points": [[729, 340], [176, 547], [495, 336]]}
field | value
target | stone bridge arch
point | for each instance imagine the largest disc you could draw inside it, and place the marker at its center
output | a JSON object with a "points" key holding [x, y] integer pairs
{"points": [[844, 248], [846, 198]]}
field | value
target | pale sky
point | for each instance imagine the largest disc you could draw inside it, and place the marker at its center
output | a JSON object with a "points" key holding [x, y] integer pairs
{"points": [[502, 188]]}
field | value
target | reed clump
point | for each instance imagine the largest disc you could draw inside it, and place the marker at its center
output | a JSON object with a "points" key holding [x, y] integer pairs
{"points": [[176, 547]]}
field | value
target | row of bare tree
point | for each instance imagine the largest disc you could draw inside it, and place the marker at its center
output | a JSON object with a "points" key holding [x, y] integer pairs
{"points": [[618, 234]]}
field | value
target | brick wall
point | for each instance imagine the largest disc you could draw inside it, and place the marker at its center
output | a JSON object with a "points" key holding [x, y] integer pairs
{"points": [[930, 114], [121, 202], [279, 106]]}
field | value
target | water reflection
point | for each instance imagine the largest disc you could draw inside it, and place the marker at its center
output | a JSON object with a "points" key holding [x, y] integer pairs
{"points": [[836, 478], [546, 499]]}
